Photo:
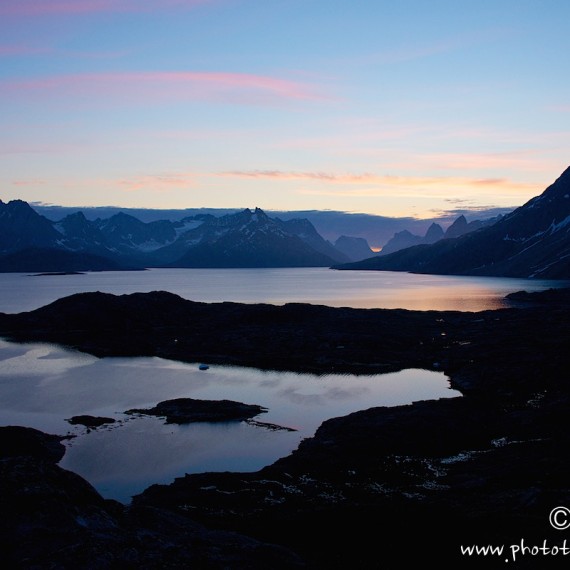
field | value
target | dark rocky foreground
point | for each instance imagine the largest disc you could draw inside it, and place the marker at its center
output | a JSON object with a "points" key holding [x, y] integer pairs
{"points": [[380, 488], [52, 518]]}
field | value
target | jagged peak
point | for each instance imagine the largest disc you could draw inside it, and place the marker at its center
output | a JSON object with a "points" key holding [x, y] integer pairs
{"points": [[461, 220], [20, 204], [434, 232], [260, 213], [19, 208]]}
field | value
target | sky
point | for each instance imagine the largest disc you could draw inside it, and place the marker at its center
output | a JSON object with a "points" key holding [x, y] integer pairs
{"points": [[407, 108]]}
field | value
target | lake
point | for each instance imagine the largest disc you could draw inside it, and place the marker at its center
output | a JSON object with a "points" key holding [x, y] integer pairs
{"points": [[42, 385], [323, 286]]}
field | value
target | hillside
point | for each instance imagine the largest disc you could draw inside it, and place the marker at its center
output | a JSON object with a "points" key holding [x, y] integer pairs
{"points": [[533, 241]]}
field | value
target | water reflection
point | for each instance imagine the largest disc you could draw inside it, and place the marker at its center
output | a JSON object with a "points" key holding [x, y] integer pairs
{"points": [[317, 285], [43, 385]]}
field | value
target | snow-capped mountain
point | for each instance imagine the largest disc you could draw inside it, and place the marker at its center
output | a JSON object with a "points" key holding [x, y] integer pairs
{"points": [[244, 239], [531, 241]]}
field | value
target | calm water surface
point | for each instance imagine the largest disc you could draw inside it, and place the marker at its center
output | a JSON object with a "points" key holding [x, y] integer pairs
{"points": [[361, 289], [42, 385]]}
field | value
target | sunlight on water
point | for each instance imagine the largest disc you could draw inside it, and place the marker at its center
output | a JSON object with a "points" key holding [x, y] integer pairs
{"points": [[43, 385], [360, 289]]}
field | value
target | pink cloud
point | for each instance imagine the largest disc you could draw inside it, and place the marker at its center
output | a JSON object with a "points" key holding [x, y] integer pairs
{"points": [[374, 182], [46, 7], [319, 176], [524, 160], [157, 182], [151, 87]]}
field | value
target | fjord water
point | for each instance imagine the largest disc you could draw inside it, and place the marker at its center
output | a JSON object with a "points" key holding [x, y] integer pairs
{"points": [[43, 385], [323, 286]]}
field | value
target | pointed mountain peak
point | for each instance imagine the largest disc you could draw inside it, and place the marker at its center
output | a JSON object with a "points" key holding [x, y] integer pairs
{"points": [[434, 233], [457, 228], [260, 214], [19, 205]]}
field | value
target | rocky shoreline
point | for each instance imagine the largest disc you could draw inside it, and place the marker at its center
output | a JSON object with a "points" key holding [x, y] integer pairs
{"points": [[369, 490]]}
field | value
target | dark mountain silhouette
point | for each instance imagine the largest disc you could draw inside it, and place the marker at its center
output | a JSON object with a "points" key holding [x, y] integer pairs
{"points": [[532, 241], [355, 248], [305, 230], [253, 239], [79, 234], [434, 233], [330, 224], [127, 233], [459, 227], [21, 227], [404, 239], [31, 242]]}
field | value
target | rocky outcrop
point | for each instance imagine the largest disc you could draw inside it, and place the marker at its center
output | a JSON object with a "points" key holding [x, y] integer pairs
{"points": [[90, 421], [189, 410], [52, 518]]}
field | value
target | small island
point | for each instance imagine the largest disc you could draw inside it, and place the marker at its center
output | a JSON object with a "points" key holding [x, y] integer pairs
{"points": [[90, 421], [189, 410]]}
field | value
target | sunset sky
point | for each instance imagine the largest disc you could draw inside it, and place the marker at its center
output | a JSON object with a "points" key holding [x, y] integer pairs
{"points": [[399, 108]]}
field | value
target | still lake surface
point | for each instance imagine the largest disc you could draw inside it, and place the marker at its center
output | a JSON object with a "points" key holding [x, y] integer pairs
{"points": [[42, 385], [323, 286]]}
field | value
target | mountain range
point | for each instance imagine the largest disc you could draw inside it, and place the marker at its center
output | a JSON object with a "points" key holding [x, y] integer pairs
{"points": [[32, 242], [460, 227], [532, 241], [376, 229]]}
